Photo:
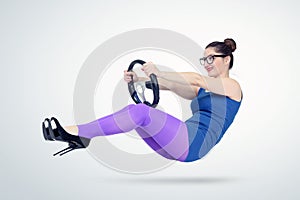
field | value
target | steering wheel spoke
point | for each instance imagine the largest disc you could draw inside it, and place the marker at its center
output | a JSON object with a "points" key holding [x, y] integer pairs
{"points": [[140, 89]]}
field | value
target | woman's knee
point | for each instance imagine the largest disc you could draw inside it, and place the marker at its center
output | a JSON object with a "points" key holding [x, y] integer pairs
{"points": [[139, 108], [139, 113]]}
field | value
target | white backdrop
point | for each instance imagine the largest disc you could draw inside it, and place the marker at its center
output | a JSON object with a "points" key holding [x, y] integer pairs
{"points": [[43, 45]]}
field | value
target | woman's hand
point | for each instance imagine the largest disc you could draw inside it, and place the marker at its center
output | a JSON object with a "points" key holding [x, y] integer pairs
{"points": [[150, 68], [129, 76]]}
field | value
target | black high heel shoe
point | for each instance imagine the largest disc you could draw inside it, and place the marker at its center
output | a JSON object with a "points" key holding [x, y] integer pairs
{"points": [[59, 134]]}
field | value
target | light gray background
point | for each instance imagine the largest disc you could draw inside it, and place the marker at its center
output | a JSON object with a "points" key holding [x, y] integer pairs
{"points": [[43, 45]]}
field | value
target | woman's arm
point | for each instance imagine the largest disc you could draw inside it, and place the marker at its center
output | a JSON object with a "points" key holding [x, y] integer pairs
{"points": [[185, 91], [223, 86]]}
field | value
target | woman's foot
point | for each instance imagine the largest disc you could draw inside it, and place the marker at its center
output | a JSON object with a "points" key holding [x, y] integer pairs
{"points": [[73, 130]]}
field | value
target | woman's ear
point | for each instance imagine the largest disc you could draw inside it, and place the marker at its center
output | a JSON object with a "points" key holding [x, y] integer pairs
{"points": [[227, 59]]}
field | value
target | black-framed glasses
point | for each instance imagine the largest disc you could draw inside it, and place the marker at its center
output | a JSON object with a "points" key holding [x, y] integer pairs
{"points": [[210, 59]]}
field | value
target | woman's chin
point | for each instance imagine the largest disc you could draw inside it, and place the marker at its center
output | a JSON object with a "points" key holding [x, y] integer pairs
{"points": [[211, 74]]}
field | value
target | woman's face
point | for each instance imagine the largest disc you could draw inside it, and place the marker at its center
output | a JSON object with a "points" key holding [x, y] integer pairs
{"points": [[219, 66]]}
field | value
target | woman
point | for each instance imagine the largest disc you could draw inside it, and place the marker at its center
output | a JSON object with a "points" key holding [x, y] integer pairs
{"points": [[216, 99]]}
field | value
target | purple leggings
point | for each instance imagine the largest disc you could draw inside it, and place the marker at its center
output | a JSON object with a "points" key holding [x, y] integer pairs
{"points": [[164, 133]]}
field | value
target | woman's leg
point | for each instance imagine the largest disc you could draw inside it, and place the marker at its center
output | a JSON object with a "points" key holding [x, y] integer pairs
{"points": [[164, 133], [153, 144]]}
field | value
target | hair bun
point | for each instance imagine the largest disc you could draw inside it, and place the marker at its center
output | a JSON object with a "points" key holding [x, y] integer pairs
{"points": [[230, 43]]}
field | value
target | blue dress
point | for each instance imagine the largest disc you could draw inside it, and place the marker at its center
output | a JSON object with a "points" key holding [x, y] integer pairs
{"points": [[212, 115]]}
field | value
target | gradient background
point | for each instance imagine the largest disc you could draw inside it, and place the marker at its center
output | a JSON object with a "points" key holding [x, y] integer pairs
{"points": [[43, 45]]}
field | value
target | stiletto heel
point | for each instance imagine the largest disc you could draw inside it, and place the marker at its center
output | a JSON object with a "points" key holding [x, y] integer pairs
{"points": [[66, 150]]}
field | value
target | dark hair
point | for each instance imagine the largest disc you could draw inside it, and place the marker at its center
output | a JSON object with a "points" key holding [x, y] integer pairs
{"points": [[227, 48]]}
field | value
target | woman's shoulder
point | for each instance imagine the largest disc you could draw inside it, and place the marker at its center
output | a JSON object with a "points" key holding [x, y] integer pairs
{"points": [[235, 90]]}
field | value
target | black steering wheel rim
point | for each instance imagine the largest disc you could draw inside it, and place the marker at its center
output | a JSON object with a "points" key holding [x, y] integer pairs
{"points": [[152, 84]]}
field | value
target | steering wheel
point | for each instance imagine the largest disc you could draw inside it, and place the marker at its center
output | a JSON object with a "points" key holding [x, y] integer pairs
{"points": [[139, 89]]}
